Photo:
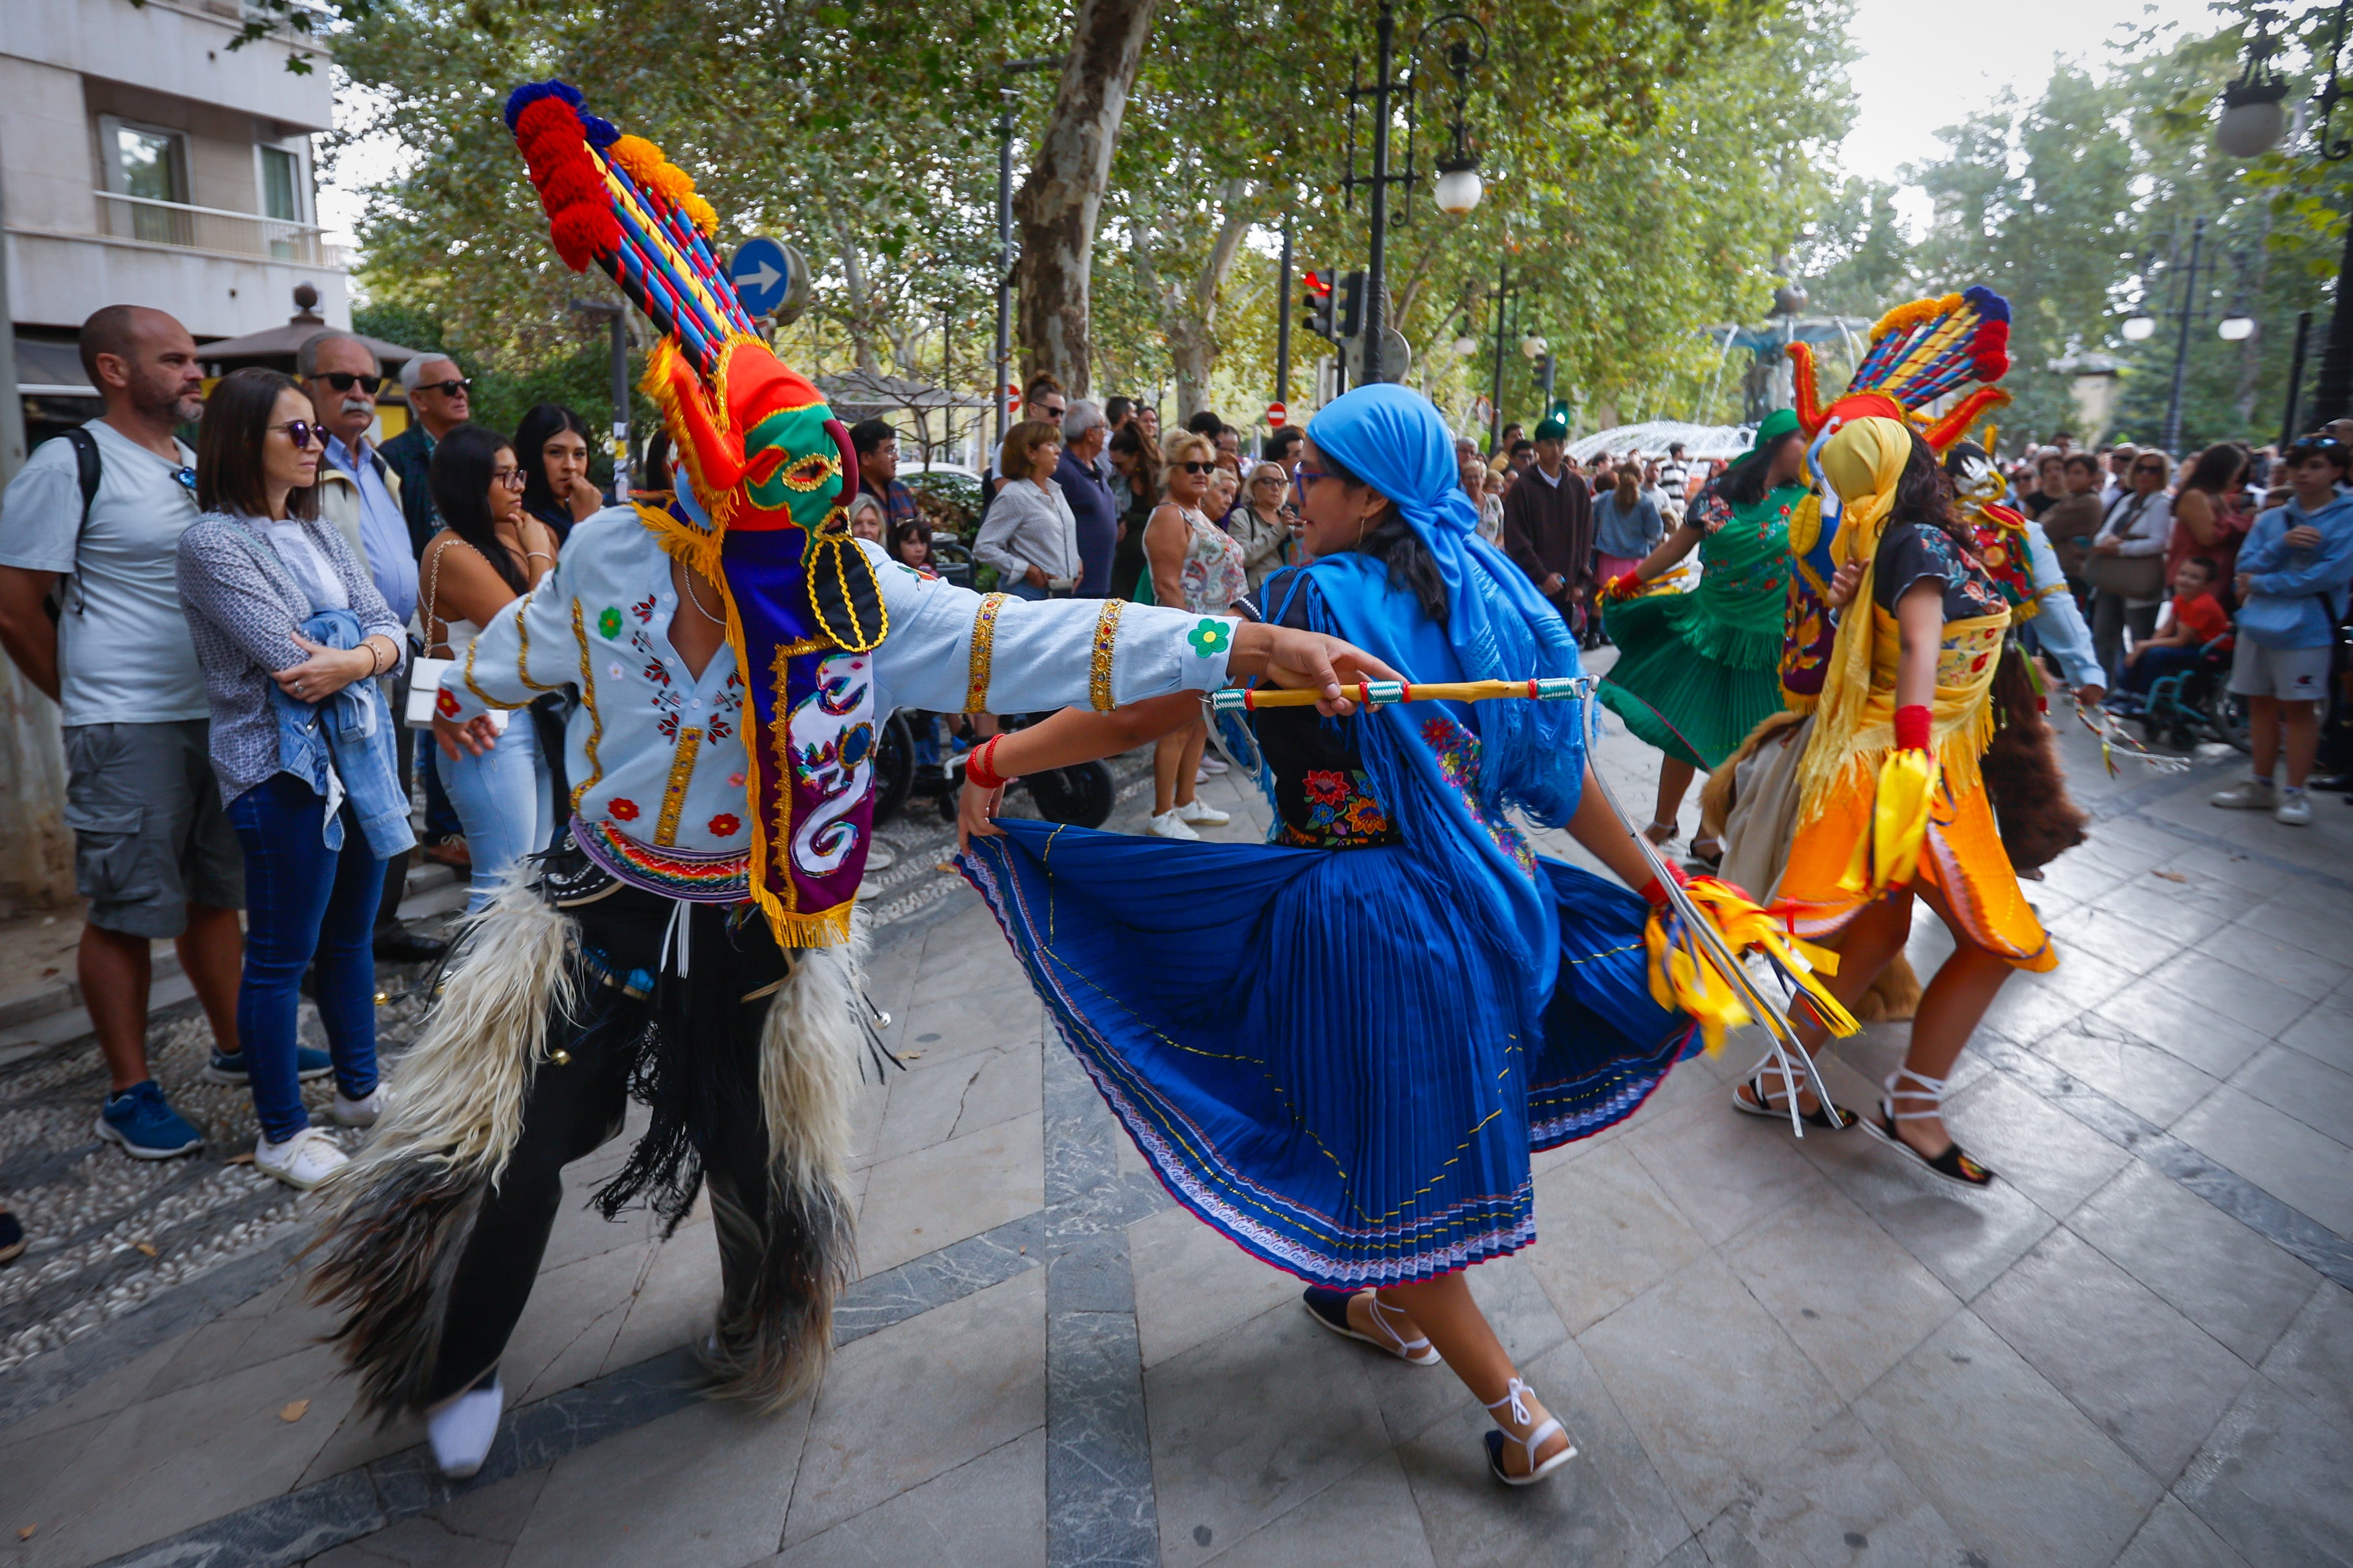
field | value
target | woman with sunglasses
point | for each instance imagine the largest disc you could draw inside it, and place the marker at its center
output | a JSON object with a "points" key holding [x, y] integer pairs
{"points": [[553, 443], [2127, 563], [1262, 525], [490, 552], [1341, 1048], [292, 632], [1195, 565]]}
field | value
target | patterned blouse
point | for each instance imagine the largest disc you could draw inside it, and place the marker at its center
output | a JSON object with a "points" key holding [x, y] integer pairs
{"points": [[1214, 576]]}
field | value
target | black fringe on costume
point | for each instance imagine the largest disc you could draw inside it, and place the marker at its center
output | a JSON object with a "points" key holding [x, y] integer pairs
{"points": [[2040, 821], [390, 1263]]}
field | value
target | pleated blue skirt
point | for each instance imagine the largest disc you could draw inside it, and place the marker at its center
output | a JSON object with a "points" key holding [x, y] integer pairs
{"points": [[1315, 1054]]}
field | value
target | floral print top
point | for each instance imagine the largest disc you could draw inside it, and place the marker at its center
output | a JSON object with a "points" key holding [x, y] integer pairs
{"points": [[1910, 551], [1214, 576]]}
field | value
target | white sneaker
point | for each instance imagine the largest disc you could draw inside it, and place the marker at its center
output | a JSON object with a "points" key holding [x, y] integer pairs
{"points": [[2294, 808], [880, 856], [1170, 825], [1213, 766], [303, 1161], [463, 1430], [361, 1112], [2247, 794], [1202, 812]]}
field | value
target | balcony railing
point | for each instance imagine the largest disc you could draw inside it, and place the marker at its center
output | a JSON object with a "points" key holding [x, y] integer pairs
{"points": [[210, 228]]}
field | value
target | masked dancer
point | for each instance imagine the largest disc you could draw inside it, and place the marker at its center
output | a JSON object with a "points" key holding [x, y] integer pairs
{"points": [[689, 940]]}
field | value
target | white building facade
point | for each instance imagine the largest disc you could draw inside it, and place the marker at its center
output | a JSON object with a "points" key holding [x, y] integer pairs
{"points": [[142, 160]]}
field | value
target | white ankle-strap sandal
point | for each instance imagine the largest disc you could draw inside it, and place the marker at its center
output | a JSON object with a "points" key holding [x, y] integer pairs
{"points": [[1954, 1164], [1330, 1308], [1515, 1399]]}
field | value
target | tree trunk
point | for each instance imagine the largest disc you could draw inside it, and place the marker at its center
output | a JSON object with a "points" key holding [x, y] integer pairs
{"points": [[1059, 200], [1188, 314]]}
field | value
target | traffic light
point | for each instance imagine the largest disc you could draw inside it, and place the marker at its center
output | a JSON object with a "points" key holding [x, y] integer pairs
{"points": [[1352, 306], [1316, 303], [1543, 367]]}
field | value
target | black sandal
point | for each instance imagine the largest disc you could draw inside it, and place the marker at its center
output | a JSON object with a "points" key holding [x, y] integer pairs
{"points": [[1825, 1115], [1954, 1165]]}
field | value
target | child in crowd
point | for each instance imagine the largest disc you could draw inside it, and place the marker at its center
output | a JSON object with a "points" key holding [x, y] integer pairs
{"points": [[910, 542], [2198, 619], [2293, 574]]}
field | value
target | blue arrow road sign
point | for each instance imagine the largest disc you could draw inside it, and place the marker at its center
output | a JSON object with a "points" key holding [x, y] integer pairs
{"points": [[761, 274]]}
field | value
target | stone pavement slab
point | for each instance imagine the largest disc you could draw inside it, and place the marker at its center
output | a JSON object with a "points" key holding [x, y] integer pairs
{"points": [[2135, 1349]]}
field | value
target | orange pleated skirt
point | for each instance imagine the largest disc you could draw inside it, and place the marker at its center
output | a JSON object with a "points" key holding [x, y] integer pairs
{"points": [[1963, 861]]}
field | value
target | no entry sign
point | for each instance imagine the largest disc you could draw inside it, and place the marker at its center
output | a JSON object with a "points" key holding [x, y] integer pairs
{"points": [[1275, 414]]}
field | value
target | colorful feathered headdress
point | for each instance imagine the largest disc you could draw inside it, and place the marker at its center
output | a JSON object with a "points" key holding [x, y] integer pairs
{"points": [[761, 515], [760, 445], [1919, 353]]}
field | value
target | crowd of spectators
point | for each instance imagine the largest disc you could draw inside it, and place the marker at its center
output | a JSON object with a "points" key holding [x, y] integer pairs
{"points": [[2226, 571], [230, 634]]}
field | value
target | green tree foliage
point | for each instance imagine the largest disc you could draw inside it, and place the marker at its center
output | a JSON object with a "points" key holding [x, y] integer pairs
{"points": [[2080, 206], [1644, 160]]}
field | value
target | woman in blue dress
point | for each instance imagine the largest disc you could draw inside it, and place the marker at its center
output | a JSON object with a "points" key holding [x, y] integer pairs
{"points": [[1340, 1048]]}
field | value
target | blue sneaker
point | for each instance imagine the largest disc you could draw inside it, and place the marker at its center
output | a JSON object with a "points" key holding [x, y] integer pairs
{"points": [[308, 1066], [144, 1123]]}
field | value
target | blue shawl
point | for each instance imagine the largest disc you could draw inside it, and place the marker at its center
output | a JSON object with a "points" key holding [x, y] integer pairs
{"points": [[1448, 772]]}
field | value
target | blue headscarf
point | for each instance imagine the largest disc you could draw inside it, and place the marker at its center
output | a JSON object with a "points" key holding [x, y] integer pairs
{"points": [[1448, 772]]}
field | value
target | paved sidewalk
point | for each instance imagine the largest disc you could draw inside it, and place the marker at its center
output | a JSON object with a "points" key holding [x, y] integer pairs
{"points": [[2136, 1349]]}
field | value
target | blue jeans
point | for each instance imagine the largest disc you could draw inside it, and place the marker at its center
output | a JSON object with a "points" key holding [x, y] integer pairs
{"points": [[501, 801], [2155, 664], [303, 902], [440, 816]]}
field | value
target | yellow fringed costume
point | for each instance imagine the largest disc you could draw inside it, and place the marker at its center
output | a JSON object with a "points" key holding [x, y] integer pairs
{"points": [[1872, 818]]}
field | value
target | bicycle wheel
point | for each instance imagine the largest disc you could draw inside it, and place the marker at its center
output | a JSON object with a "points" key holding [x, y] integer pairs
{"points": [[1081, 795]]}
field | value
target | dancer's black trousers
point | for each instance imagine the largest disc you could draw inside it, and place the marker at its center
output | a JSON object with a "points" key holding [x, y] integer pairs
{"points": [[576, 1105]]}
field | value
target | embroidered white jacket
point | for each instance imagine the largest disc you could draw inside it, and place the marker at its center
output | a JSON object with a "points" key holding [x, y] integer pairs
{"points": [[656, 756]]}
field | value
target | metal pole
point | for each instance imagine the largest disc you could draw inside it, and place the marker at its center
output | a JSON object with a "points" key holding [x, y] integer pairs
{"points": [[2295, 380], [1375, 274], [2333, 396], [622, 451], [1004, 262], [2181, 344], [1496, 391], [1282, 320]]}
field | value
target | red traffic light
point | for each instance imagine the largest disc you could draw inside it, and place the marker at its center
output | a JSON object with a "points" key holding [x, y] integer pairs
{"points": [[1318, 282]]}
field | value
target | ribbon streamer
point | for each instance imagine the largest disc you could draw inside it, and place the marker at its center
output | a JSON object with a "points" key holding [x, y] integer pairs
{"points": [[2110, 731], [1381, 693]]}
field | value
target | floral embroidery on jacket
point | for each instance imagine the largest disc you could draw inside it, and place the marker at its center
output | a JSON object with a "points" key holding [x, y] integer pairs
{"points": [[1341, 812]]}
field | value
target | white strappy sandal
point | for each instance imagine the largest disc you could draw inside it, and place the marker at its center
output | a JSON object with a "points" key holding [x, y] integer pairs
{"points": [[1515, 1399], [1954, 1165], [1330, 1308]]}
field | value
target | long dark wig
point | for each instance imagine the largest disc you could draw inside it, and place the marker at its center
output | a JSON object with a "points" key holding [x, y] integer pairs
{"points": [[1743, 483], [542, 425], [465, 462], [1394, 544], [1924, 494]]}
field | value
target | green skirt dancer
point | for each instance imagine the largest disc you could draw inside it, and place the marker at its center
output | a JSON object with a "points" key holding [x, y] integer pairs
{"points": [[1697, 671]]}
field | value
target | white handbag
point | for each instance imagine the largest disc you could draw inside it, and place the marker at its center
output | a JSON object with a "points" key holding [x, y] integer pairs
{"points": [[425, 675]]}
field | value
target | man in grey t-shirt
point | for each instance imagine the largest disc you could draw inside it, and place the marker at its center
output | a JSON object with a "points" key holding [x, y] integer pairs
{"points": [[153, 853]]}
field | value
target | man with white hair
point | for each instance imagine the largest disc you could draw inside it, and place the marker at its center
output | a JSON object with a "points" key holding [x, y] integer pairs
{"points": [[438, 404], [1086, 433], [360, 493]]}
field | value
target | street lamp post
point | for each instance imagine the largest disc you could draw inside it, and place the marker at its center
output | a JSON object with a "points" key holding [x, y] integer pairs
{"points": [[1458, 185], [1495, 394], [1282, 320], [2252, 124], [1004, 359], [2181, 342]]}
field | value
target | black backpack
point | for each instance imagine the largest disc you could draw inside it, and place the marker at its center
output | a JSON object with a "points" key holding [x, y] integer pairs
{"points": [[85, 469]]}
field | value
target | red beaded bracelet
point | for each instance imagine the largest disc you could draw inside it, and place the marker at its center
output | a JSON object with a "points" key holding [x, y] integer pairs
{"points": [[978, 768]]}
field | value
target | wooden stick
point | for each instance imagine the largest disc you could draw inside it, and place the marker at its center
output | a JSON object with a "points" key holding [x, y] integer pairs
{"points": [[1379, 693]]}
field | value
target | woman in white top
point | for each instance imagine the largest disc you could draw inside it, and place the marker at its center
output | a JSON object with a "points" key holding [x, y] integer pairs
{"points": [[491, 551], [1196, 566], [2139, 524], [1029, 535]]}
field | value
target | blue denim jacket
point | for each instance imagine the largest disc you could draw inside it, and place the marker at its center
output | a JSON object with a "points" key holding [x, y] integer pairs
{"points": [[348, 738], [2298, 595]]}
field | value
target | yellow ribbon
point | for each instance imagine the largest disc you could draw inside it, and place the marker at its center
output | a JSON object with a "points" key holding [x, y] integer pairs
{"points": [[1685, 979]]}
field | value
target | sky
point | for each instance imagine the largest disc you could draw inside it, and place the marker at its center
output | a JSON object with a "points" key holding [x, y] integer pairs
{"points": [[1976, 49]]}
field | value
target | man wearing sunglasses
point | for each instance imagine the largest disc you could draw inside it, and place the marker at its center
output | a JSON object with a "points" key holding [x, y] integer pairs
{"points": [[438, 401], [153, 852]]}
